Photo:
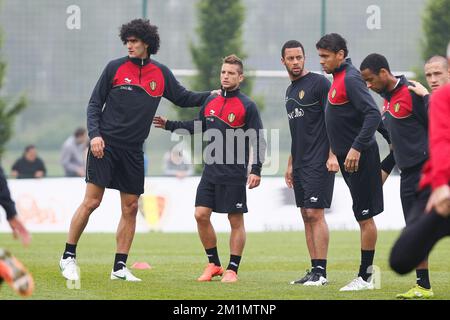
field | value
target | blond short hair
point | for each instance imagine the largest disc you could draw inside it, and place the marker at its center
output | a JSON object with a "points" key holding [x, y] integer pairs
{"points": [[234, 59]]}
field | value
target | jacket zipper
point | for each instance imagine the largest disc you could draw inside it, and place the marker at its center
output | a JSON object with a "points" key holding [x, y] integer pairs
{"points": [[140, 70], [224, 102]]}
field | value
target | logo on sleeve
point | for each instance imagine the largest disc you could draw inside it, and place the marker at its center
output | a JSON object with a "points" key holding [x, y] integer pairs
{"points": [[127, 80], [153, 85], [397, 107], [333, 93], [231, 117]]}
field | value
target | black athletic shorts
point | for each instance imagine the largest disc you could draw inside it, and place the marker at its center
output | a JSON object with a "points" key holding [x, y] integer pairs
{"points": [[5, 197], [313, 187], [221, 198], [119, 169], [409, 182], [365, 184]]}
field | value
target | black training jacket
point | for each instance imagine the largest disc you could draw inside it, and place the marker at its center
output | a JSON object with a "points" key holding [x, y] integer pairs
{"points": [[125, 99]]}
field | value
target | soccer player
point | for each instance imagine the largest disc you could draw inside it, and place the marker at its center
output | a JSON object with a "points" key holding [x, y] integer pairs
{"points": [[437, 74], [119, 116], [311, 165], [12, 270], [351, 118], [222, 186], [432, 202], [406, 118]]}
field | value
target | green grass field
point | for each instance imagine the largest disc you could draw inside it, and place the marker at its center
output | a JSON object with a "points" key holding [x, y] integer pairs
{"points": [[270, 261]]}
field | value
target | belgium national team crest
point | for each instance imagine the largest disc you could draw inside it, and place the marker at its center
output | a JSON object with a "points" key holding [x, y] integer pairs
{"points": [[301, 94], [152, 208], [397, 107], [333, 93], [153, 85], [231, 117]]}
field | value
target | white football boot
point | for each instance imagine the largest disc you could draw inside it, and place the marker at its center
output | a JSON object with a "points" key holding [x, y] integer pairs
{"points": [[357, 285], [69, 268], [123, 274]]}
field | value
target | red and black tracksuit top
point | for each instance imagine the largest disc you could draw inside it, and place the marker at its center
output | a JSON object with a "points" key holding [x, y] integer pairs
{"points": [[405, 115], [226, 118], [125, 99], [351, 116], [436, 171]]}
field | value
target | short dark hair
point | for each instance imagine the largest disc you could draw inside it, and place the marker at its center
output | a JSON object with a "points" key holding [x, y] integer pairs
{"points": [[375, 62], [333, 42], [291, 44], [79, 132], [234, 59], [28, 148], [143, 30]]}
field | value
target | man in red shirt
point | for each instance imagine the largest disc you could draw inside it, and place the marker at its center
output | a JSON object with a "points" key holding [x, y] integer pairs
{"points": [[433, 199]]}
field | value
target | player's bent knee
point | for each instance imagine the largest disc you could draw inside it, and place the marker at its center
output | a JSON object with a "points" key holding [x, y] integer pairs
{"points": [[397, 262]]}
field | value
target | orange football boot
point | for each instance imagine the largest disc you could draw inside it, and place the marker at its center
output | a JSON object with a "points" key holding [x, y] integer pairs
{"points": [[230, 276], [15, 274], [210, 271]]}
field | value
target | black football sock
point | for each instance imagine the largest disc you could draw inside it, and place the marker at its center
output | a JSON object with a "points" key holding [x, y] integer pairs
{"points": [[366, 262], [234, 263], [423, 278], [313, 264], [213, 256], [321, 267], [70, 251], [120, 261]]}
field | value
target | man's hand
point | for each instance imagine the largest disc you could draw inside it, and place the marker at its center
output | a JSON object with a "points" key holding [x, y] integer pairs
{"points": [[352, 160], [253, 181], [288, 177], [440, 201], [216, 92], [418, 88], [19, 231], [160, 122], [39, 174], [332, 163], [97, 146]]}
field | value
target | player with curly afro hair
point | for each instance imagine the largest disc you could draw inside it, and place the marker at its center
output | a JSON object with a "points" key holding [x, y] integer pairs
{"points": [[119, 116], [143, 30]]}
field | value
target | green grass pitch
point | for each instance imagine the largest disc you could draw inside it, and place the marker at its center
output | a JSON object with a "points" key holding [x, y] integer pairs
{"points": [[270, 261]]}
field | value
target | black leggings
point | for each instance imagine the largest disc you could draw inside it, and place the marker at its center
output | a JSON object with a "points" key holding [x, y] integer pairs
{"points": [[419, 237]]}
